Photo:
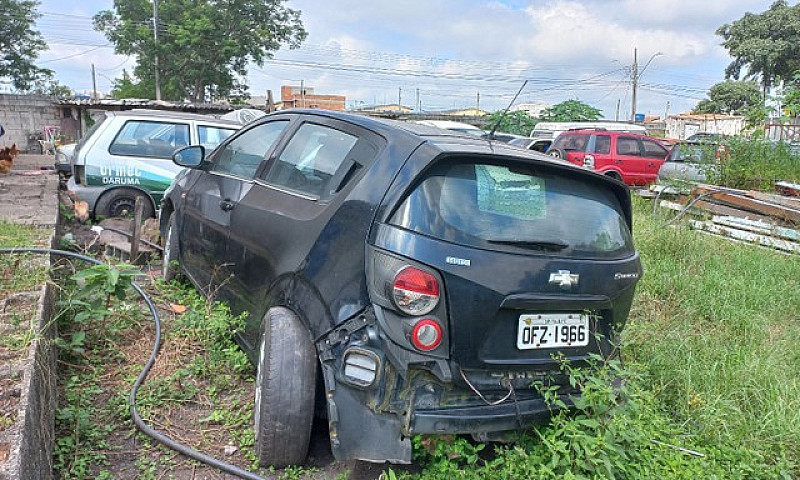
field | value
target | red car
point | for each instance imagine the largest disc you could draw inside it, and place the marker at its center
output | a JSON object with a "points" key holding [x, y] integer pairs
{"points": [[628, 157]]}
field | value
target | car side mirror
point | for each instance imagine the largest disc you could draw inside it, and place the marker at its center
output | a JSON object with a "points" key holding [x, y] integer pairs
{"points": [[191, 156]]}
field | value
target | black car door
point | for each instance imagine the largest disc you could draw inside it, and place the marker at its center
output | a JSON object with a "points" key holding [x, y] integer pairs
{"points": [[210, 201], [276, 223]]}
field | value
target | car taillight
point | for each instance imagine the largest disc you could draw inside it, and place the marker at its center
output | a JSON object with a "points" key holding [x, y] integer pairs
{"points": [[426, 335], [414, 291]]}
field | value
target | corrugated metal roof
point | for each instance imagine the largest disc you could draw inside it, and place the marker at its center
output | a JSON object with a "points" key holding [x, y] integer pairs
{"points": [[146, 103]]}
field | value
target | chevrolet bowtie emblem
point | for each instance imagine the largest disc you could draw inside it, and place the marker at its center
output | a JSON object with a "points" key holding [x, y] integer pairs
{"points": [[564, 279]]}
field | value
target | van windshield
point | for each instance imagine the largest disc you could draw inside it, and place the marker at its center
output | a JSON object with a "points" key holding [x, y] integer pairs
{"points": [[516, 208]]}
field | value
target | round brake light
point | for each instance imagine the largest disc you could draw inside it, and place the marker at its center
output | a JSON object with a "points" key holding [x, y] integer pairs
{"points": [[426, 335], [414, 291]]}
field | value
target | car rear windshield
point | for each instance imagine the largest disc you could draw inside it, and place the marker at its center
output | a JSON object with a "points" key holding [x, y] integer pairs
{"points": [[516, 208]]}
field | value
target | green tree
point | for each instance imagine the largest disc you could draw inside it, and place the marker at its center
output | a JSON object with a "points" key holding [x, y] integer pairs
{"points": [[571, 111], [204, 45], [20, 43], [766, 44], [737, 96], [517, 122]]}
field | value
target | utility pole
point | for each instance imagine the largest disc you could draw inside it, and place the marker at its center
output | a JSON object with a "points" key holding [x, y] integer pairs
{"points": [[94, 83], [399, 98], [478, 103], [155, 60], [616, 117], [634, 83], [419, 107], [666, 111], [302, 94]]}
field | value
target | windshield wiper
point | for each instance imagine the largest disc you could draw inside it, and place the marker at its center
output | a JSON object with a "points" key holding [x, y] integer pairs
{"points": [[532, 244]]}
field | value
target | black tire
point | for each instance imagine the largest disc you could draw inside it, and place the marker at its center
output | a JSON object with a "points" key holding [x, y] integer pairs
{"points": [[557, 153], [614, 175], [119, 202], [285, 385], [170, 269]]}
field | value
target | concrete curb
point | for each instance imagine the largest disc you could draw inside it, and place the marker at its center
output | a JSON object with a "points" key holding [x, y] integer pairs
{"points": [[33, 435]]}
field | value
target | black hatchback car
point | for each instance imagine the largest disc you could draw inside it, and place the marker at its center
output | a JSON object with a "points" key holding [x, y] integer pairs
{"points": [[401, 278]]}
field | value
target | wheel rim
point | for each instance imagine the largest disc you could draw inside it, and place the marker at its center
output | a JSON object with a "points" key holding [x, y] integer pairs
{"points": [[121, 207], [167, 249], [259, 381]]}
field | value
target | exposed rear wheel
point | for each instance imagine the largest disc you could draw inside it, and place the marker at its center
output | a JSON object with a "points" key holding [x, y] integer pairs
{"points": [[285, 385], [170, 268], [614, 175], [120, 202]]}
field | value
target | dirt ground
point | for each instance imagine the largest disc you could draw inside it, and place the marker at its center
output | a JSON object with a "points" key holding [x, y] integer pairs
{"points": [[28, 193]]}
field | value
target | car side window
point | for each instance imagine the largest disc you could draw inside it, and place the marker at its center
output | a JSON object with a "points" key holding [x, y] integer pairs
{"points": [[602, 144], [140, 138], [311, 158], [628, 146], [210, 137], [653, 149], [243, 154]]}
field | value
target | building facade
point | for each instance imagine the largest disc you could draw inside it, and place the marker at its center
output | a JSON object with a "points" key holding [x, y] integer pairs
{"points": [[295, 97]]}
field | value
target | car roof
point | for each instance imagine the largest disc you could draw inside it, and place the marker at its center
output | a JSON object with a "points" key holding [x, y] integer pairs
{"points": [[447, 141], [589, 131], [167, 114], [447, 124]]}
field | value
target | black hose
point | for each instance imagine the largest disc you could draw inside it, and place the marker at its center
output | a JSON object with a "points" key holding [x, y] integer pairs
{"points": [[137, 420]]}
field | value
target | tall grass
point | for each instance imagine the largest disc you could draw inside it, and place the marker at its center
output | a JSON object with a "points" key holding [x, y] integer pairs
{"points": [[755, 164], [716, 328]]}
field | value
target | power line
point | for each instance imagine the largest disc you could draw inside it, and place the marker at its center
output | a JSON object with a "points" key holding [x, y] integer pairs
{"points": [[70, 56]]}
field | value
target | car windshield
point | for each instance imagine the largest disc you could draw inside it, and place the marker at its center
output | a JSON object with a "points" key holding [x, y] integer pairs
{"points": [[516, 208]]}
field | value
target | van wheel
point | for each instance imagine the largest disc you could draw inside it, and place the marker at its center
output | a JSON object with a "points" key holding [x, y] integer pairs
{"points": [[557, 153], [170, 269], [285, 385], [614, 175], [120, 202]]}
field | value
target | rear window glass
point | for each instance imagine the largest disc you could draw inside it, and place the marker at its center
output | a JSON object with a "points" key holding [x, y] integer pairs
{"points": [[140, 138], [501, 207], [572, 142]]}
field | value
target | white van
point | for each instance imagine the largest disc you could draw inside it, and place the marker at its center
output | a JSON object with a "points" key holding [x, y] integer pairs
{"points": [[550, 130]]}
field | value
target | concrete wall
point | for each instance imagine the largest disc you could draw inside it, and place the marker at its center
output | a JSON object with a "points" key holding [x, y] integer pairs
{"points": [[23, 115]]}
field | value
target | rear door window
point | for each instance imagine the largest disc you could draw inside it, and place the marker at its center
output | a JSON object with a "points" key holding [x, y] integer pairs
{"points": [[310, 159], [516, 208], [210, 137], [140, 138], [628, 146], [653, 149]]}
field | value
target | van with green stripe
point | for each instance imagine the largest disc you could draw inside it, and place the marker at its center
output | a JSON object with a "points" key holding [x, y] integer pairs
{"points": [[128, 154]]}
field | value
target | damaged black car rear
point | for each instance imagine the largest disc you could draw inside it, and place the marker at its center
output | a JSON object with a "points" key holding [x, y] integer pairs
{"points": [[401, 279]]}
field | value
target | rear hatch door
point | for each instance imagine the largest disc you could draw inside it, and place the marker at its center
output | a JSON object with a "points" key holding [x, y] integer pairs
{"points": [[536, 259]]}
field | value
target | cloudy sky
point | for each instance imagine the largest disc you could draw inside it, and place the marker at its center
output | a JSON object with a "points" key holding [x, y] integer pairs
{"points": [[452, 51]]}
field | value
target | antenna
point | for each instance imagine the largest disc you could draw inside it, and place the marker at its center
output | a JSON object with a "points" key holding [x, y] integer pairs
{"points": [[503, 115]]}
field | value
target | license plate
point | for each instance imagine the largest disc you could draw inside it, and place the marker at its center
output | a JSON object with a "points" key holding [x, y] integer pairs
{"points": [[552, 330]]}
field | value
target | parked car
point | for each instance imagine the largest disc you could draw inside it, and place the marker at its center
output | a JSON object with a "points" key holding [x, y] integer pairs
{"points": [[690, 161], [631, 158], [408, 280], [551, 130], [453, 126], [126, 155], [707, 137], [537, 145]]}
